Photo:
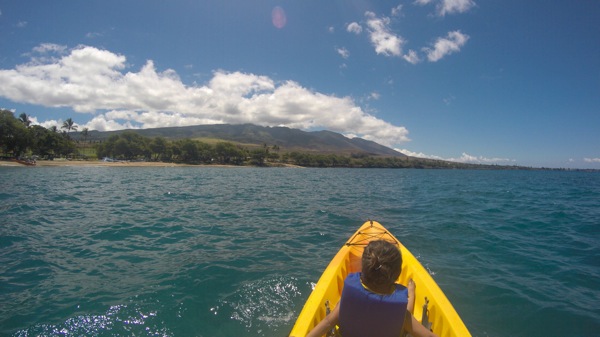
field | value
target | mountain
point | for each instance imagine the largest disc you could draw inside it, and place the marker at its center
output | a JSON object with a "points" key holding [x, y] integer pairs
{"points": [[249, 134]]}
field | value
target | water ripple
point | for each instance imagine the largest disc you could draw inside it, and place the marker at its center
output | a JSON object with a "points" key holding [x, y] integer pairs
{"points": [[234, 251]]}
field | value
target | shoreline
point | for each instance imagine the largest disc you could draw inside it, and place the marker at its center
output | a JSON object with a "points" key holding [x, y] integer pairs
{"points": [[99, 163]]}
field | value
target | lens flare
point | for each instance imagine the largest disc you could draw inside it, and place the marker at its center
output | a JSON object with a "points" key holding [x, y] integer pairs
{"points": [[278, 17]]}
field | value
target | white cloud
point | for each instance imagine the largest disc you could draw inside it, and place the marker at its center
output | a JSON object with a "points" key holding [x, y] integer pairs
{"points": [[46, 53], [591, 160], [52, 122], [343, 52], [384, 41], [467, 158], [455, 6], [397, 11], [93, 35], [449, 6], [95, 81], [412, 57], [354, 27], [374, 96], [47, 123], [389, 43], [102, 122], [445, 46], [418, 154], [448, 100], [464, 158], [50, 48]]}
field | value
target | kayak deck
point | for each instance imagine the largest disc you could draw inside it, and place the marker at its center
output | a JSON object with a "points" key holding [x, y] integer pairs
{"points": [[444, 320]]}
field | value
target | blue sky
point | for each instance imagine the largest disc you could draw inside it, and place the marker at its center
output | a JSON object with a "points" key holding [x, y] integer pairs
{"points": [[506, 82]]}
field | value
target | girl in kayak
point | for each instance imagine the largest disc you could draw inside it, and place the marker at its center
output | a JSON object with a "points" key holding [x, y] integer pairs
{"points": [[372, 304]]}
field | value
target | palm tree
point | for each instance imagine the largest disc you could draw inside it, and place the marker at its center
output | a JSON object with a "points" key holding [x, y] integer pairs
{"points": [[53, 128], [85, 133], [24, 118], [69, 125]]}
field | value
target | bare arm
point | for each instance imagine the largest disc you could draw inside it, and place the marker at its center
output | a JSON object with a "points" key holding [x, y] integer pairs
{"points": [[328, 323], [411, 296], [415, 328]]}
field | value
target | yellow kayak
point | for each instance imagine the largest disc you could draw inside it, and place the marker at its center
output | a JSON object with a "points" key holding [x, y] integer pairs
{"points": [[432, 308]]}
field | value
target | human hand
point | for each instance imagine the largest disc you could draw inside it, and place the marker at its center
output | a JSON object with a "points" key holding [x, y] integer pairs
{"points": [[411, 288]]}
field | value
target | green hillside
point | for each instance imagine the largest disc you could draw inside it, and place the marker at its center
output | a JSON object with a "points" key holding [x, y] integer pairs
{"points": [[325, 142]]}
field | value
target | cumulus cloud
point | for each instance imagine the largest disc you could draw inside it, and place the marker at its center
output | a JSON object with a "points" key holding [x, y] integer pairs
{"points": [[418, 154], [354, 27], [464, 158], [591, 160], [381, 36], [446, 45], [47, 123], [94, 81], [449, 6], [389, 43]]}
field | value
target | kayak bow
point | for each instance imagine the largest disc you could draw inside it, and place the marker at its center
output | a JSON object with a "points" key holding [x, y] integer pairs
{"points": [[432, 308]]}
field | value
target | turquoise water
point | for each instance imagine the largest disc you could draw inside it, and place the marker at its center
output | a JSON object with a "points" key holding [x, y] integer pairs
{"points": [[99, 251]]}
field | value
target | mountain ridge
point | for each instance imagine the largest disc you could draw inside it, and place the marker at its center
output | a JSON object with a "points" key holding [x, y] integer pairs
{"points": [[287, 139]]}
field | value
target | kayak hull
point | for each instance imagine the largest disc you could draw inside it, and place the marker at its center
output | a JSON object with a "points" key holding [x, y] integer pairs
{"points": [[444, 319]]}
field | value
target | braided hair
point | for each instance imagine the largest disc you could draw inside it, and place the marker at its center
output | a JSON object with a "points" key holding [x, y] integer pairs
{"points": [[381, 264]]}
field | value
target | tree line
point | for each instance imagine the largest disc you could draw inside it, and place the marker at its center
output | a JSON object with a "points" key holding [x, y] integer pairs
{"points": [[132, 146], [18, 137]]}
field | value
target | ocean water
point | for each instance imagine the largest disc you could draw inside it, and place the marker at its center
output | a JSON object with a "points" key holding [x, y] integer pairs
{"points": [[203, 251]]}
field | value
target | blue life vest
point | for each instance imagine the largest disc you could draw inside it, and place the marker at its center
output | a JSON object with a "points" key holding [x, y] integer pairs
{"points": [[364, 313]]}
